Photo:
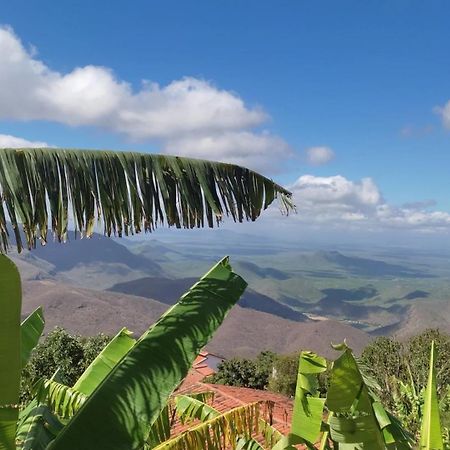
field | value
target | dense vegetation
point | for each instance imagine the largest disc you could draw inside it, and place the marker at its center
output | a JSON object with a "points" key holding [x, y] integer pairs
{"points": [[244, 372], [399, 368], [60, 351], [122, 400], [120, 396]]}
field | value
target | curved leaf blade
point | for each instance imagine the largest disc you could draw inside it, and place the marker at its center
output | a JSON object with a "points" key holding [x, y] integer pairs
{"points": [[10, 358], [134, 393], [430, 432], [31, 330], [62, 400], [308, 408], [37, 427], [102, 365]]}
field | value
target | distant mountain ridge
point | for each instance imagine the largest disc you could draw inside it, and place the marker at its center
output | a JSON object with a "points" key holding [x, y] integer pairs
{"points": [[168, 290], [97, 262], [379, 297], [245, 331], [368, 267]]}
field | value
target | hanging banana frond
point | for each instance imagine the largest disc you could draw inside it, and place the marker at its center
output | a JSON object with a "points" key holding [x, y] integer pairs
{"points": [[128, 192], [219, 433]]}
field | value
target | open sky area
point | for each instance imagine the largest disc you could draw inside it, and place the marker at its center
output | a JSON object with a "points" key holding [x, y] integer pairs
{"points": [[346, 103]]}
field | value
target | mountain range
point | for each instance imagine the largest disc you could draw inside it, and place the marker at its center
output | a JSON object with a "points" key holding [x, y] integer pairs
{"points": [[297, 297]]}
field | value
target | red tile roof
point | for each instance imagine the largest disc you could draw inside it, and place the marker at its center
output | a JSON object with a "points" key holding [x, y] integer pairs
{"points": [[200, 369], [227, 398]]}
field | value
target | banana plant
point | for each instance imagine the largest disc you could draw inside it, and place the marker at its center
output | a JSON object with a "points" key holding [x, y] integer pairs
{"points": [[122, 393], [232, 429], [213, 430], [129, 193], [30, 332], [349, 417]]}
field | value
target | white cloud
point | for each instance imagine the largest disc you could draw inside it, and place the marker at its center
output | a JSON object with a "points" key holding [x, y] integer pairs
{"points": [[258, 151], [323, 199], [189, 114], [8, 141], [412, 131], [317, 156], [337, 202], [444, 112]]}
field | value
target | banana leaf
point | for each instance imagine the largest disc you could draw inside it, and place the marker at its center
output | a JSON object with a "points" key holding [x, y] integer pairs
{"points": [[308, 407], [358, 420], [31, 330], [131, 397], [37, 427], [193, 407], [102, 365], [10, 355], [62, 400], [190, 407], [129, 192], [185, 409], [161, 427], [430, 431], [232, 429]]}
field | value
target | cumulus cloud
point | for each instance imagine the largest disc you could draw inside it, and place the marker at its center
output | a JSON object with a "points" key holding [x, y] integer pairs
{"points": [[8, 141], [339, 202], [183, 114], [240, 147], [318, 156]]}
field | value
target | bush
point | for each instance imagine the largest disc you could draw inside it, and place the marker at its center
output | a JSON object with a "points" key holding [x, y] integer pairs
{"points": [[284, 376], [244, 372], [401, 370], [69, 354]]}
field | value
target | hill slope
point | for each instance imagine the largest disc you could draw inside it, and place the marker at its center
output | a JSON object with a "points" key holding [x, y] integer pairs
{"points": [[167, 290], [98, 262], [245, 332]]}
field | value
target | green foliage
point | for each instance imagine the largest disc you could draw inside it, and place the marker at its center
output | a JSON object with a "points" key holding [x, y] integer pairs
{"points": [[104, 360], [350, 416], [60, 351], [245, 372], [10, 351], [284, 376], [30, 332], [430, 431], [131, 397], [276, 373], [129, 383], [388, 358], [129, 192], [402, 371], [417, 353]]}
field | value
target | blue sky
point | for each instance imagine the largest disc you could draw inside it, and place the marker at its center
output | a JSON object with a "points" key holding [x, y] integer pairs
{"points": [[360, 87]]}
